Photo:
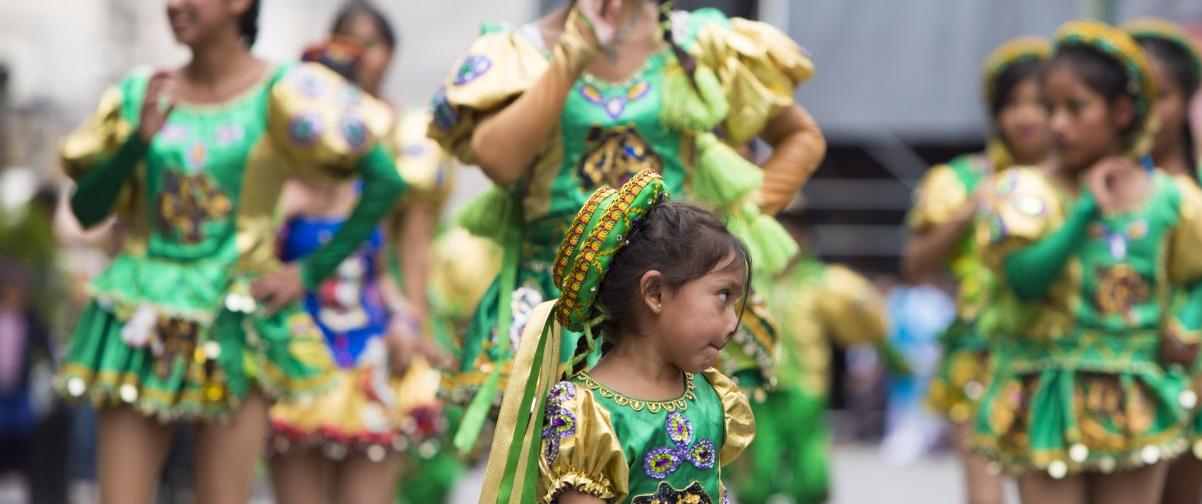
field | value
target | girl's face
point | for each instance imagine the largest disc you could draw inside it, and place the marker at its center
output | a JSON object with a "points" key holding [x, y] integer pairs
{"points": [[194, 22], [1023, 122], [1085, 127], [698, 319], [1170, 109], [376, 54]]}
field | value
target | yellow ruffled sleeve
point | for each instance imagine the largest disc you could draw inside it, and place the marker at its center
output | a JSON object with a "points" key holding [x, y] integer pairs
{"points": [[323, 124], [1022, 206], [99, 137], [423, 164], [737, 416], [1185, 262], [580, 450], [851, 308], [759, 68], [937, 199], [497, 68]]}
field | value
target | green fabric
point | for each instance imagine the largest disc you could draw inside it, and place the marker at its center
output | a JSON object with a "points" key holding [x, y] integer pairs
{"points": [[1031, 270], [382, 185], [96, 192], [791, 450], [640, 432], [1097, 390], [214, 348]]}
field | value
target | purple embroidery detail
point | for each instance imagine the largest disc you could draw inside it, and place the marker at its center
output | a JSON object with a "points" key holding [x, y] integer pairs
{"points": [[661, 462], [725, 497], [561, 423], [664, 493], [305, 129], [445, 115], [228, 134], [614, 105], [174, 132], [473, 66], [414, 149], [196, 155], [351, 95], [354, 132], [307, 83]]}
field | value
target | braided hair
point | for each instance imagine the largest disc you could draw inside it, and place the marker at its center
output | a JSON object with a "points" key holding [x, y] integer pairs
{"points": [[248, 23]]}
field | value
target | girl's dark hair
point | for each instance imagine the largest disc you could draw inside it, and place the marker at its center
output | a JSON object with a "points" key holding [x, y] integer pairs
{"points": [[364, 8], [1010, 78], [1177, 60], [681, 241], [248, 23], [1104, 75], [682, 56]]}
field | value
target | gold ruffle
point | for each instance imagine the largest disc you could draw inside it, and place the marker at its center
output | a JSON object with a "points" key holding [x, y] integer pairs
{"points": [[1185, 263], [939, 196], [423, 164], [514, 65], [739, 421], [591, 459], [97, 140], [851, 308], [759, 68]]}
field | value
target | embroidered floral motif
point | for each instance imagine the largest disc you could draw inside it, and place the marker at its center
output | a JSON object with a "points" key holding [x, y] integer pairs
{"points": [[473, 66], [176, 341], [615, 104], [1120, 290], [186, 203], [561, 423], [616, 156], [661, 462], [445, 115], [305, 129], [354, 132], [229, 134], [665, 494]]}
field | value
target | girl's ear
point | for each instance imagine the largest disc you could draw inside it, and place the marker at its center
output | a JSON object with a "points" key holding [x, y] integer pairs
{"points": [[651, 290]]}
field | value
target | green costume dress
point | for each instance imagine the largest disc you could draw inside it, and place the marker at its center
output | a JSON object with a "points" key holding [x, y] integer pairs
{"points": [[964, 367], [620, 449], [1083, 302], [172, 329], [608, 131], [815, 301]]}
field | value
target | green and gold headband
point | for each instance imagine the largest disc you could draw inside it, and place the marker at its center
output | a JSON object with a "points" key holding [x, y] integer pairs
{"points": [[1121, 47], [596, 235], [1030, 48], [1159, 29]]}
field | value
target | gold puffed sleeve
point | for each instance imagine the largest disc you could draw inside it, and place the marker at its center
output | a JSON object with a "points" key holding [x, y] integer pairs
{"points": [[1021, 206], [737, 416], [850, 307], [99, 137], [423, 164], [1185, 242], [497, 68], [937, 199], [759, 68], [580, 450], [323, 124]]}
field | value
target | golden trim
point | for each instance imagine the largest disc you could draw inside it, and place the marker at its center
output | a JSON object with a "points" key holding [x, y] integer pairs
{"points": [[680, 403]]}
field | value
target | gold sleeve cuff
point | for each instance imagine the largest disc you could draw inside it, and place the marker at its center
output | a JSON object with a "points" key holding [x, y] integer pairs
{"points": [[1021, 206], [739, 421], [322, 123], [938, 198], [497, 68], [589, 459], [98, 138], [851, 308], [421, 161], [1185, 263], [759, 67]]}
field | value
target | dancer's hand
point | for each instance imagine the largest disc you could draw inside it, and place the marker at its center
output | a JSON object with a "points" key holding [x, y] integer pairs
{"points": [[157, 105], [278, 288], [1111, 181], [603, 17]]}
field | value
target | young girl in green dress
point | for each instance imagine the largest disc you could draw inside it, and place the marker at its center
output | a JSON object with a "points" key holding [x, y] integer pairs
{"points": [[1176, 63], [1098, 262], [195, 319], [652, 421]]}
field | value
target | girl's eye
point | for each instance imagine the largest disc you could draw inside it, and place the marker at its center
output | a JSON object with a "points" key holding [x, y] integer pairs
{"points": [[724, 295], [1075, 106]]}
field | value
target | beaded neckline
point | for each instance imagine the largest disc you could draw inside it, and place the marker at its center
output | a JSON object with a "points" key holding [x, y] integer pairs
{"points": [[679, 404]]}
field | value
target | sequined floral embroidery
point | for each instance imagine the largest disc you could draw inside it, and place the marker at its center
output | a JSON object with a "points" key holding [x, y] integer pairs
{"points": [[614, 157], [561, 423], [663, 461], [473, 66], [445, 115], [615, 104], [186, 203], [665, 494]]}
